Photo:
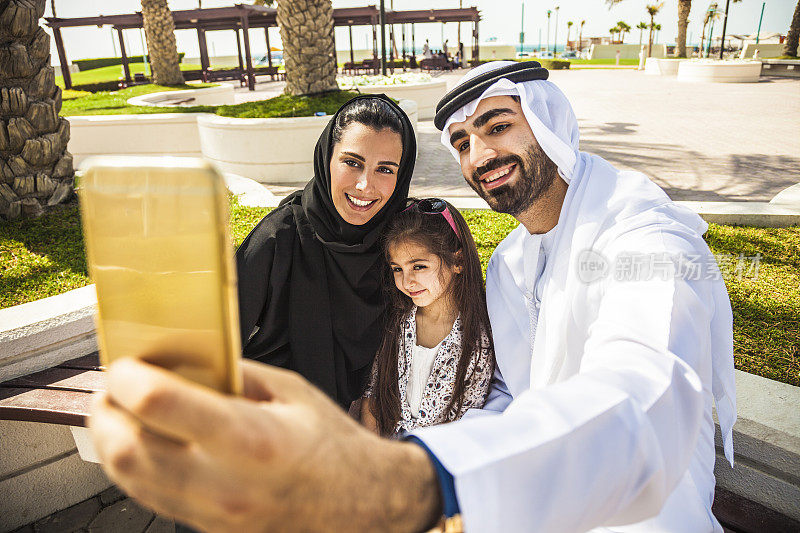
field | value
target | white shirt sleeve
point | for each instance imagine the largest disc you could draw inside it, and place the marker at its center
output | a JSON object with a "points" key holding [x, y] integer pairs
{"points": [[608, 445]]}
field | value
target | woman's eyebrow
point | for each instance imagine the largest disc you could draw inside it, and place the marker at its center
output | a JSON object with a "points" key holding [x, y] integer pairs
{"points": [[355, 155], [388, 163]]}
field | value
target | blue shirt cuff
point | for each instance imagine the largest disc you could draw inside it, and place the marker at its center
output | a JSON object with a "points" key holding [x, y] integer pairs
{"points": [[447, 484]]}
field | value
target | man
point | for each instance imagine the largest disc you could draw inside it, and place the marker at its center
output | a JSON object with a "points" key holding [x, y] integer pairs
{"points": [[600, 414]]}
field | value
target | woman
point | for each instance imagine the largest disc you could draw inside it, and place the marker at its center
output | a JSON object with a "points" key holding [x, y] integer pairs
{"points": [[310, 296]]}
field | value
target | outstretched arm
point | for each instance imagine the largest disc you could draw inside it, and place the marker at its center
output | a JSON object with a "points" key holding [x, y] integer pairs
{"points": [[281, 458]]}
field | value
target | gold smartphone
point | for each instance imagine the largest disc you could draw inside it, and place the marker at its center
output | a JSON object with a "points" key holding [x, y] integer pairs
{"points": [[157, 246]]}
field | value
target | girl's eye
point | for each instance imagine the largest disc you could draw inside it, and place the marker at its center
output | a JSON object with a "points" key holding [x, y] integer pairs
{"points": [[499, 128], [396, 269], [385, 170], [419, 267], [352, 163]]}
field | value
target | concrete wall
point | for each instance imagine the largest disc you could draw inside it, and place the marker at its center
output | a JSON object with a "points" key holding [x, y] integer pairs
{"points": [[626, 51], [766, 445], [764, 50], [156, 134], [44, 333], [41, 473]]}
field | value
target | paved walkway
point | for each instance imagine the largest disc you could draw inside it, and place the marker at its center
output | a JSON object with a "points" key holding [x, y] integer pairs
{"points": [[699, 141]]}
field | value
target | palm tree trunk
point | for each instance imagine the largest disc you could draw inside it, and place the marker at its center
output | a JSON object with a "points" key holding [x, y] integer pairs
{"points": [[792, 37], [650, 39], [703, 38], [684, 6], [35, 167], [308, 47], [159, 30]]}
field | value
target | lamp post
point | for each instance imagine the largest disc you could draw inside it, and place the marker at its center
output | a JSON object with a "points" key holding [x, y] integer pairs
{"points": [[555, 35], [758, 32], [522, 27], [548, 29]]}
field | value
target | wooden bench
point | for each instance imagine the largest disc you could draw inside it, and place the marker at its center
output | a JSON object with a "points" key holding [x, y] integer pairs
{"points": [[272, 72], [58, 395], [436, 63], [210, 75], [62, 395]]}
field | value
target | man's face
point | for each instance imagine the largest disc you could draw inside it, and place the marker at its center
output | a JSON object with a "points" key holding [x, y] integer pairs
{"points": [[499, 156]]}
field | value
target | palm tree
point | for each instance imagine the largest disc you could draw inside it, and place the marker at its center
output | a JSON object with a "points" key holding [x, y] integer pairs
{"points": [[613, 31], [652, 10], [35, 167], [159, 30], [790, 47], [569, 27], [641, 27], [684, 6], [308, 47], [623, 28], [580, 35], [712, 13], [657, 27]]}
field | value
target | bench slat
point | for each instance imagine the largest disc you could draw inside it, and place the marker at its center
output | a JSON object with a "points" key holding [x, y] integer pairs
{"points": [[61, 379], [45, 405], [87, 362]]}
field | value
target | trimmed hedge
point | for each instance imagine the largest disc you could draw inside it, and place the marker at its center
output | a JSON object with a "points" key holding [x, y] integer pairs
{"points": [[89, 64], [554, 64], [97, 87]]}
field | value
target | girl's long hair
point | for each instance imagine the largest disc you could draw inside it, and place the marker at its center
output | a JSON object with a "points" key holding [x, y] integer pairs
{"points": [[466, 292]]}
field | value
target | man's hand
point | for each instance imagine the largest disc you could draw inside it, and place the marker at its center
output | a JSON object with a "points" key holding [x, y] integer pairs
{"points": [[282, 458]]}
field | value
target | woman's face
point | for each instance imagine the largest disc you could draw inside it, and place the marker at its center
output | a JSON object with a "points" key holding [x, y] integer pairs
{"points": [[364, 167]]}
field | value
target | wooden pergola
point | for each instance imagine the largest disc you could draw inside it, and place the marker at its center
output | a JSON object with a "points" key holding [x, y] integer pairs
{"points": [[243, 17]]}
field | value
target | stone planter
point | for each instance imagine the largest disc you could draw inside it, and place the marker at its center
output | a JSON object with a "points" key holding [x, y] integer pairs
{"points": [[719, 71], [425, 94], [219, 95], [156, 134], [662, 67], [268, 150]]}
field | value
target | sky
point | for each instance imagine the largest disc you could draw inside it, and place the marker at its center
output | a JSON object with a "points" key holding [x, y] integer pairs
{"points": [[500, 19]]}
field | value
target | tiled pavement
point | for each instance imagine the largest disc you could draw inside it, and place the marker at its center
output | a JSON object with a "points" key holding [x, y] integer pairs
{"points": [[699, 141], [110, 511]]}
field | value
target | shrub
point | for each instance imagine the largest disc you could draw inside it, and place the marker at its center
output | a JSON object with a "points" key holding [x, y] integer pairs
{"points": [[89, 64], [554, 64]]}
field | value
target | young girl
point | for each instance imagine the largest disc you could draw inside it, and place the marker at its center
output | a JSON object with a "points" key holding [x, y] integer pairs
{"points": [[436, 359]]}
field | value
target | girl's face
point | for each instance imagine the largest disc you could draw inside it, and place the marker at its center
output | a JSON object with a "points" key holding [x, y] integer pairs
{"points": [[364, 168], [419, 273]]}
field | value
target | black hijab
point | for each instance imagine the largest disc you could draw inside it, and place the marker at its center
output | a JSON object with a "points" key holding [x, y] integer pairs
{"points": [[310, 284]]}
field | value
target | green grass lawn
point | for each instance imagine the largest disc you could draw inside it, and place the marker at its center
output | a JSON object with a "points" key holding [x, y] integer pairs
{"points": [[45, 256], [115, 103]]}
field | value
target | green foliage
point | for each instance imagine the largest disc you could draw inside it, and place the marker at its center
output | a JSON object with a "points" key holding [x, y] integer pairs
{"points": [[766, 307], [42, 257], [289, 106], [45, 256], [554, 64], [89, 64]]}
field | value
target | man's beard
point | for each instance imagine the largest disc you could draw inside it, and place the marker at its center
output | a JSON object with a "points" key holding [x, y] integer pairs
{"points": [[536, 173]]}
